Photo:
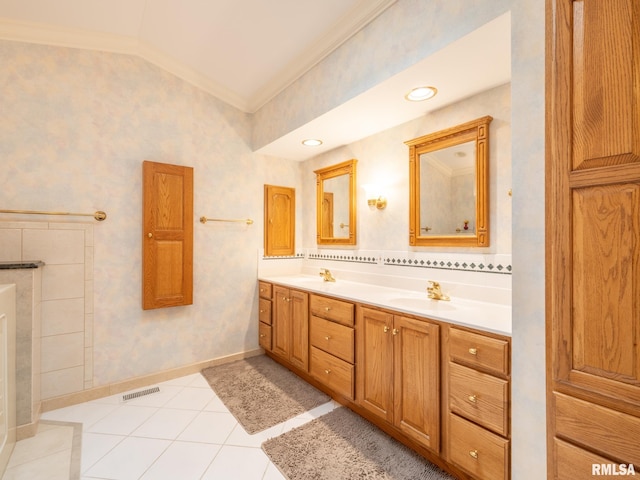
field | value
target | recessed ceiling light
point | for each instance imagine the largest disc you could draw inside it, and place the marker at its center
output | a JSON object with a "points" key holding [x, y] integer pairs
{"points": [[419, 94], [312, 142]]}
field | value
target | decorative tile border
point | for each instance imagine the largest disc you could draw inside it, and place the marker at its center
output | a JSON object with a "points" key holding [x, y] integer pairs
{"points": [[297, 256], [449, 265], [342, 257]]}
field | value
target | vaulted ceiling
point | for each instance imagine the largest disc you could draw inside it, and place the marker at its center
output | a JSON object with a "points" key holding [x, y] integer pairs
{"points": [[247, 51]]}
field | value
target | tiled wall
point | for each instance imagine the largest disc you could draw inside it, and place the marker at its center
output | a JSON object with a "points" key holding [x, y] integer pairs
{"points": [[66, 299]]}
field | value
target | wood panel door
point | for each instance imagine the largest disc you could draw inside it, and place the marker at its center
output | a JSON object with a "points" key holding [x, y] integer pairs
{"points": [[300, 330], [279, 221], [417, 380], [167, 235], [374, 368], [281, 339], [593, 214]]}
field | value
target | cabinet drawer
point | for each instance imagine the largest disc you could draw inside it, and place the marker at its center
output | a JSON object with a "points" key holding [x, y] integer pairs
{"points": [[332, 372], [264, 310], [332, 309], [574, 462], [264, 290], [333, 338], [605, 430], [480, 397], [478, 451], [479, 350], [264, 332]]}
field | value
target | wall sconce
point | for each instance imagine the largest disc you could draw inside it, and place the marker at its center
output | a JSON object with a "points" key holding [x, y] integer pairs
{"points": [[375, 198]]}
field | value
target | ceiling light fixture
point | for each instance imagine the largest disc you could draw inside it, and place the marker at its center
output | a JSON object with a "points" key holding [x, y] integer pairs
{"points": [[419, 94], [312, 142]]}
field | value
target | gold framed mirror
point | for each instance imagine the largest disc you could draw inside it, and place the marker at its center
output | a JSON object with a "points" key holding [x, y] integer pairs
{"points": [[449, 186], [336, 204]]}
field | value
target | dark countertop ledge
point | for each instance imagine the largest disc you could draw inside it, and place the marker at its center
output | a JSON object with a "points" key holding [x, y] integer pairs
{"points": [[16, 265]]}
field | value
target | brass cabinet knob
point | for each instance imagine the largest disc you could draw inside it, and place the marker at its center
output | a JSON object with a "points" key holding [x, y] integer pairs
{"points": [[386, 329], [326, 309], [473, 351], [262, 335], [327, 371], [395, 331], [150, 235], [327, 337], [472, 398], [473, 454]]}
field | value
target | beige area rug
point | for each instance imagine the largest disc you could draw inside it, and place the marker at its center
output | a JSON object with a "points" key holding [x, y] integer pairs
{"points": [[341, 445], [261, 393]]}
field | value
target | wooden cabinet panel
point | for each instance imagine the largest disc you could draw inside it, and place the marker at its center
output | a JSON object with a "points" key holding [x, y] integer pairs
{"points": [[333, 338], [604, 430], [593, 228], [264, 310], [481, 453], [575, 462], [417, 380], [332, 309], [279, 220], [479, 351], [265, 290], [290, 326], [479, 397], [337, 374], [167, 241], [264, 335], [375, 362], [299, 355]]}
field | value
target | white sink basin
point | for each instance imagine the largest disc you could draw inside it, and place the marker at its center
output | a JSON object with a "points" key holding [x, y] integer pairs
{"points": [[422, 304]]}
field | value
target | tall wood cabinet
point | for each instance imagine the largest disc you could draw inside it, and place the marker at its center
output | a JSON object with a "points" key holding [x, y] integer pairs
{"points": [[593, 235], [290, 326], [398, 373]]}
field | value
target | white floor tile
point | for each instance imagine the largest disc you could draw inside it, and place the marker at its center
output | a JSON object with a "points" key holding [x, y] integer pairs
{"points": [[182, 381], [95, 446], [209, 427], [123, 420], [199, 381], [129, 459], [273, 473], [240, 438], [216, 405], [85, 413], [191, 398], [166, 423], [184, 461], [238, 463]]}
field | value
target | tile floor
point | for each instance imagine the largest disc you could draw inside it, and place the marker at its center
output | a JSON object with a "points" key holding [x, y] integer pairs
{"points": [[181, 432]]}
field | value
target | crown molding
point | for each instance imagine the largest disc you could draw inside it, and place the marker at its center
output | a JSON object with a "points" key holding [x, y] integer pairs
{"points": [[351, 23]]}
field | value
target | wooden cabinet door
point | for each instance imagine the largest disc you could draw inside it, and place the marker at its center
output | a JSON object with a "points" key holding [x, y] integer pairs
{"points": [[417, 380], [374, 369], [281, 338], [593, 207], [279, 220], [167, 235], [300, 330]]}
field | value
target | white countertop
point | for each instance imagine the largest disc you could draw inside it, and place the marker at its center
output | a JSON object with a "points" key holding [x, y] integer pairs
{"points": [[490, 317]]}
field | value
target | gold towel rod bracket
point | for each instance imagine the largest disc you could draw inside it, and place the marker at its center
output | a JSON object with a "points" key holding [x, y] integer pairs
{"points": [[248, 221], [99, 215]]}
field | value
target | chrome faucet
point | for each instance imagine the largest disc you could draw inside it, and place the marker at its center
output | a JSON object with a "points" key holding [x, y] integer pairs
{"points": [[433, 291], [326, 275]]}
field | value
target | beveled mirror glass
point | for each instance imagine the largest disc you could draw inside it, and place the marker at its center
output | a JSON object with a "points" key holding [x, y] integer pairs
{"points": [[449, 186], [336, 204]]}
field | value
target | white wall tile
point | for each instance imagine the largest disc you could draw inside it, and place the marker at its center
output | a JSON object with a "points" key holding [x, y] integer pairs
{"points": [[10, 244], [62, 351], [62, 316], [54, 246], [62, 281], [62, 382]]}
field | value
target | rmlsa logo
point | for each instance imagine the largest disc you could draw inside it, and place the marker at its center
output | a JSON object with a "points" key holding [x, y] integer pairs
{"points": [[612, 469]]}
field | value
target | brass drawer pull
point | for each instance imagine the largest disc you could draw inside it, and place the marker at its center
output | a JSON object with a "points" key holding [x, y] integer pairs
{"points": [[473, 351], [328, 337], [326, 309], [472, 398], [327, 371], [473, 454]]}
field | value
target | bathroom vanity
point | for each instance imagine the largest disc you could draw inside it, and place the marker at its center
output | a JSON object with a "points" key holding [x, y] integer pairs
{"points": [[433, 374]]}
